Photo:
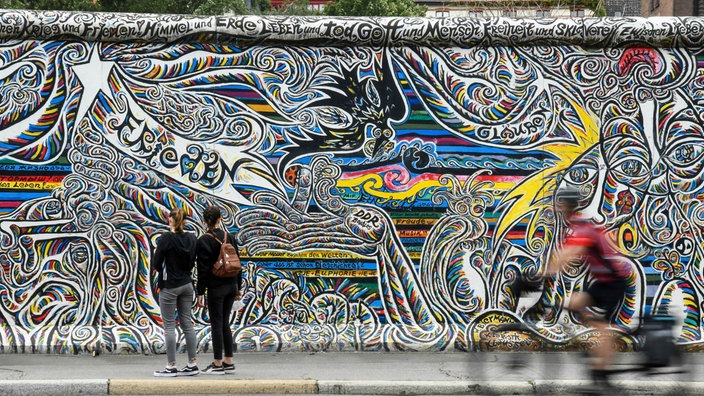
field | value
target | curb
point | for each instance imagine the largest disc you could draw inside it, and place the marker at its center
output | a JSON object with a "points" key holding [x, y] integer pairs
{"points": [[424, 388], [207, 385], [538, 387], [53, 387], [168, 386]]}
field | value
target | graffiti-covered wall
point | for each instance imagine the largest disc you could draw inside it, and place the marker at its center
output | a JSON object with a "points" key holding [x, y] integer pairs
{"points": [[388, 179]]}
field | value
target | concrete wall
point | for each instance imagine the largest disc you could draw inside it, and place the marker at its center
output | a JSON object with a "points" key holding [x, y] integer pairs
{"points": [[387, 178]]}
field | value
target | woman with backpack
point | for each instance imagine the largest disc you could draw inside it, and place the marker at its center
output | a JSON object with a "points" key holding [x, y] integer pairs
{"points": [[173, 260], [222, 288]]}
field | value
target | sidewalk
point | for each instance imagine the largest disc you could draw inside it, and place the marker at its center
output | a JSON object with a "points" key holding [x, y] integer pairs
{"points": [[362, 373]]}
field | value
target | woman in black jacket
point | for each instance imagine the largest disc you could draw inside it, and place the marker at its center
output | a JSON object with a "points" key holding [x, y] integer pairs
{"points": [[222, 292], [173, 260]]}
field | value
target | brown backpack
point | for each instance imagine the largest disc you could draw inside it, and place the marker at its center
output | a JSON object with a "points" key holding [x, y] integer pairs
{"points": [[228, 263]]}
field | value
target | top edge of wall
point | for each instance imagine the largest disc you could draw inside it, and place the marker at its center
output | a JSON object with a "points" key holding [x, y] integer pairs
{"points": [[666, 32]]}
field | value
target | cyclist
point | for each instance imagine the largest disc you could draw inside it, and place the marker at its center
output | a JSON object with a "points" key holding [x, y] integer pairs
{"points": [[585, 242]]}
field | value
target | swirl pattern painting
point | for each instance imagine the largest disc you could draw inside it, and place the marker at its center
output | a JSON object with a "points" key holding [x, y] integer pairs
{"points": [[388, 179]]}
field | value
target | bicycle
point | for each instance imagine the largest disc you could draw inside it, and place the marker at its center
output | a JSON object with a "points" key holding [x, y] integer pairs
{"points": [[657, 352]]}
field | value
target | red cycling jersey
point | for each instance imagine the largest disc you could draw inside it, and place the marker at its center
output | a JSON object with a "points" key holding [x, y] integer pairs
{"points": [[603, 261]]}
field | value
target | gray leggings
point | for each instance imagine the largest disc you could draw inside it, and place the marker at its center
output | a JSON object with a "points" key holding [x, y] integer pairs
{"points": [[181, 299]]}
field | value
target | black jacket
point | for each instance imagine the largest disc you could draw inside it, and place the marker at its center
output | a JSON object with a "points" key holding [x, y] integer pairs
{"points": [[174, 259], [207, 252]]}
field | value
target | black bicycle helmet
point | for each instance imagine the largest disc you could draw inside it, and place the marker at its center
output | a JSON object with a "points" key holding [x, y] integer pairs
{"points": [[569, 196]]}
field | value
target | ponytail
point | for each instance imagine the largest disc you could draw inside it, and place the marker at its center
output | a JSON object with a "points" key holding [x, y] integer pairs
{"points": [[178, 217]]}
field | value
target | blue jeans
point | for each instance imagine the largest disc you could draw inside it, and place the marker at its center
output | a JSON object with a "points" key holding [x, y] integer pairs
{"points": [[178, 299]]}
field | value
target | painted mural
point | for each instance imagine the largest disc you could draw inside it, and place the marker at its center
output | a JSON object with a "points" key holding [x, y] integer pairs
{"points": [[388, 179]]}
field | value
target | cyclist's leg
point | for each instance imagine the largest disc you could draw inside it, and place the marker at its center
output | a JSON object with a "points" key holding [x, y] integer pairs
{"points": [[579, 302], [604, 351], [608, 297]]}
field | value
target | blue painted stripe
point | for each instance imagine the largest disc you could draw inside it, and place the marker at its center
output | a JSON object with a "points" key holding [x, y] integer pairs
{"points": [[22, 195]]}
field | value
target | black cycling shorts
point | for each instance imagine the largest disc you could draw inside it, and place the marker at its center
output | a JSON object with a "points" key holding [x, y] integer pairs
{"points": [[608, 296]]}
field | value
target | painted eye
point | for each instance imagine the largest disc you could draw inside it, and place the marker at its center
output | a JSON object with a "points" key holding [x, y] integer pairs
{"points": [[580, 174], [686, 154], [631, 168], [373, 95], [79, 255]]}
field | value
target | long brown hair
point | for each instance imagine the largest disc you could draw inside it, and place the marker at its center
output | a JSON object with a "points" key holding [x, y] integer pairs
{"points": [[179, 219]]}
